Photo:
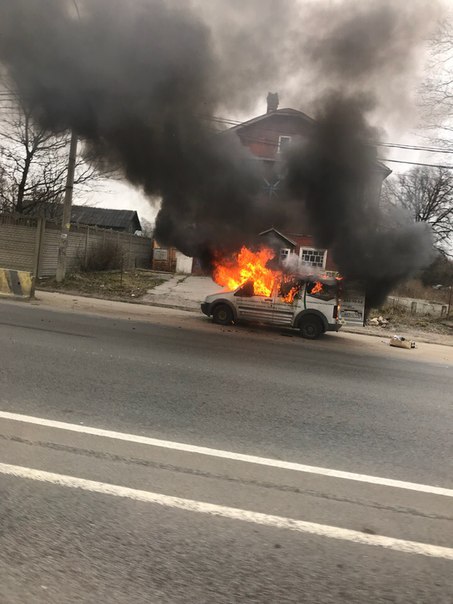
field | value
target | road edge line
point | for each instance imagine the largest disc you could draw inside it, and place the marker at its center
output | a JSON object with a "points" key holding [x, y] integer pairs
{"points": [[242, 457]]}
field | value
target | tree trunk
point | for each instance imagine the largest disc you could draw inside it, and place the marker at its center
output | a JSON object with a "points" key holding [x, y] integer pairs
{"points": [[23, 182]]}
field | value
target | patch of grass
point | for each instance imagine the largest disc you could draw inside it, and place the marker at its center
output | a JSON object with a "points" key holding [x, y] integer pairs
{"points": [[111, 285]]}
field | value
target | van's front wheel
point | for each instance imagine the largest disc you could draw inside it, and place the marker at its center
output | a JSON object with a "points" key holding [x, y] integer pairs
{"points": [[310, 328], [222, 314]]}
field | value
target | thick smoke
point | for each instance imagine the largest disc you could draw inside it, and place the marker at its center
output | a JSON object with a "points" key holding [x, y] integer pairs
{"points": [[139, 82], [136, 83], [337, 176]]}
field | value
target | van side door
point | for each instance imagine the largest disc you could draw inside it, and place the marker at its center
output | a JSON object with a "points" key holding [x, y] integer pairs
{"points": [[251, 307], [286, 298]]}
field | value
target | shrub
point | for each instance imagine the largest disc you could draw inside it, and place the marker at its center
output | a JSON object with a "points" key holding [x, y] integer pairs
{"points": [[103, 256]]}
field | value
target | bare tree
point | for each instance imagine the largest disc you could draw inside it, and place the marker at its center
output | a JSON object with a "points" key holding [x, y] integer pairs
{"points": [[440, 272], [437, 91], [427, 194], [34, 163]]}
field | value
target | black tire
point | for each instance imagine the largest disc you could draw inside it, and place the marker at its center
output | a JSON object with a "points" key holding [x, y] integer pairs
{"points": [[311, 327], [222, 314]]}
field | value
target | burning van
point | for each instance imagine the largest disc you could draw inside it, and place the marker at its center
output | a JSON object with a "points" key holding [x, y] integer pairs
{"points": [[260, 294]]}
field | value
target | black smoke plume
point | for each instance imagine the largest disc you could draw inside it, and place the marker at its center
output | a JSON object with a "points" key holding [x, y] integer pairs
{"points": [[337, 178], [139, 82]]}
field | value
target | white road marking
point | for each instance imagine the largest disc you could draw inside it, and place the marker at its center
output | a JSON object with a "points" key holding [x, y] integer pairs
{"points": [[189, 505], [263, 461]]}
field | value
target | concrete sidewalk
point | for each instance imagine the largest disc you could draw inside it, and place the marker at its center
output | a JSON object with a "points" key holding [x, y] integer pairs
{"points": [[182, 291]]}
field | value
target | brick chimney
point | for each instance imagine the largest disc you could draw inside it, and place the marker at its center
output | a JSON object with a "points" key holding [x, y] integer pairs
{"points": [[272, 101]]}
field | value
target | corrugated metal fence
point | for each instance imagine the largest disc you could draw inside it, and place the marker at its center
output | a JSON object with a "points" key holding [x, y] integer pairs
{"points": [[20, 242]]}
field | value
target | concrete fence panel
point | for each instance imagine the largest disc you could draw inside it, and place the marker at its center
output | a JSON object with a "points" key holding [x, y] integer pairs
{"points": [[21, 245], [17, 244]]}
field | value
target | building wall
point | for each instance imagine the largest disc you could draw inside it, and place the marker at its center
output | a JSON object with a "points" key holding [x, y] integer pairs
{"points": [[164, 258], [307, 242], [262, 138]]}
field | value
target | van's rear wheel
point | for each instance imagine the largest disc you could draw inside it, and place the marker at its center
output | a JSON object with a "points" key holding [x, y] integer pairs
{"points": [[222, 314], [310, 327]]}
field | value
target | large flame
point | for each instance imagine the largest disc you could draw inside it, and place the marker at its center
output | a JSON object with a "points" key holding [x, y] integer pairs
{"points": [[247, 266]]}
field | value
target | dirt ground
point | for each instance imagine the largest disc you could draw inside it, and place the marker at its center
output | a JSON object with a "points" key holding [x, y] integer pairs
{"points": [[403, 322], [113, 285]]}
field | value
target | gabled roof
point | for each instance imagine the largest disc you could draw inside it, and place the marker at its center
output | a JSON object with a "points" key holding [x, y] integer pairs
{"points": [[280, 112], [105, 217], [272, 230], [380, 167], [101, 217]]}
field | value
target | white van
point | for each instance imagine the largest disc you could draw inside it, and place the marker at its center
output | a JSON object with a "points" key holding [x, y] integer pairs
{"points": [[314, 309]]}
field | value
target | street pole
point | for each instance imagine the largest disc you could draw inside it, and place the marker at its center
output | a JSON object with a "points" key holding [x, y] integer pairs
{"points": [[67, 205], [40, 228]]}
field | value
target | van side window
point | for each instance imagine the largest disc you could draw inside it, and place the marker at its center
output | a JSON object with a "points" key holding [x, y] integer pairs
{"points": [[290, 289], [322, 291]]}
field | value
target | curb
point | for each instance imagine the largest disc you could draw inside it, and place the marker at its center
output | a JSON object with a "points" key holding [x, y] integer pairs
{"points": [[114, 299]]}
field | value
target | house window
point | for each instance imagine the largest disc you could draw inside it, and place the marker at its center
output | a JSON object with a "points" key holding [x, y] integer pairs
{"points": [[312, 257], [283, 142], [284, 253]]}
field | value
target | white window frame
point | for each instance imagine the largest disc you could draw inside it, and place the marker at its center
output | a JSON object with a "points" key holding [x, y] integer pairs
{"points": [[284, 253], [287, 140], [304, 251]]}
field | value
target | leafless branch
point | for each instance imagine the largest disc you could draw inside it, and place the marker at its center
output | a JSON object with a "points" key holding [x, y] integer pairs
{"points": [[34, 163], [427, 194]]}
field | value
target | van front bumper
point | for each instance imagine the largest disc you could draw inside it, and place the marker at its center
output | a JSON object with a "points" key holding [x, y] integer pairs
{"points": [[206, 308]]}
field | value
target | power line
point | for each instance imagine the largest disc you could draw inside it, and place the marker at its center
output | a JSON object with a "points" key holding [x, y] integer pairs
{"points": [[415, 163], [232, 123], [416, 148], [429, 149]]}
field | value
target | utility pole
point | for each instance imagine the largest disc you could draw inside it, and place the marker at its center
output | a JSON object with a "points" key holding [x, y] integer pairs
{"points": [[67, 205], [40, 228]]}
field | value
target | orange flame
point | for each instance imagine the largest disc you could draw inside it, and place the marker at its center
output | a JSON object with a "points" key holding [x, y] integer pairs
{"points": [[316, 288], [247, 266], [291, 295]]}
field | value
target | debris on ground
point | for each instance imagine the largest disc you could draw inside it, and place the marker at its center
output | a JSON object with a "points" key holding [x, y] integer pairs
{"points": [[401, 342], [378, 322]]}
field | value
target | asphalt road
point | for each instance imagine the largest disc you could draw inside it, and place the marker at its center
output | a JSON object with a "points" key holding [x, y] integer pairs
{"points": [[328, 404]]}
